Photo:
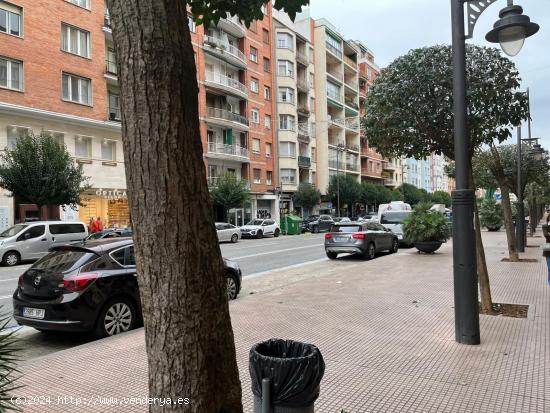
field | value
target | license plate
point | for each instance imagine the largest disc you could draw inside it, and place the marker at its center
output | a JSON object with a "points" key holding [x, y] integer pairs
{"points": [[33, 312], [341, 239]]}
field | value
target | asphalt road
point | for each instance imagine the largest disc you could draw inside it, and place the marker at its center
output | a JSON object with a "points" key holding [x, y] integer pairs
{"points": [[253, 255]]}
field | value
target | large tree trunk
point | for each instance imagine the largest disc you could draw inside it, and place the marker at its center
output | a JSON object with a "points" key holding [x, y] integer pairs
{"points": [[189, 339], [509, 223], [482, 272]]}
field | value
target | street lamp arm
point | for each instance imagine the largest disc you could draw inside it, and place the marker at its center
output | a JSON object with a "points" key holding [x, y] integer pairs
{"points": [[474, 10]]}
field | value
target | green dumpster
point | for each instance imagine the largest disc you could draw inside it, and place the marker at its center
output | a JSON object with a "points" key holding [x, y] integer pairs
{"points": [[291, 225]]}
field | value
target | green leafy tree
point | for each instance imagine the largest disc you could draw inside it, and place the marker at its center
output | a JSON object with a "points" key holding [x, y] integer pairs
{"points": [[350, 191], [369, 194], [189, 339], [307, 196], [410, 114], [413, 195], [490, 214], [38, 170], [441, 197], [230, 192]]}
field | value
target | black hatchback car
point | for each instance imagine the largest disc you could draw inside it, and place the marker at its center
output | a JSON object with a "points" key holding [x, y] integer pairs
{"points": [[89, 288]]}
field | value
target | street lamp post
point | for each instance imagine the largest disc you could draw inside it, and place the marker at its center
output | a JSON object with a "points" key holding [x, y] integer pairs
{"points": [[510, 31]]}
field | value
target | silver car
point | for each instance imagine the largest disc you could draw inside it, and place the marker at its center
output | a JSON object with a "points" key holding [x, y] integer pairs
{"points": [[227, 232], [365, 239]]}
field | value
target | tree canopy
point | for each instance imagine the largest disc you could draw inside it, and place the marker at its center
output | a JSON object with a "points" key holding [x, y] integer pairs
{"points": [[410, 107], [38, 170], [307, 196], [350, 190], [441, 197], [230, 192]]}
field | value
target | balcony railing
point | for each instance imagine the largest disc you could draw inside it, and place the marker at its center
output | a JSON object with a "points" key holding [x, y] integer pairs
{"points": [[213, 181], [350, 62], [332, 164], [224, 46], [352, 84], [223, 149], [390, 182], [303, 109], [110, 67], [304, 162], [389, 166], [331, 48], [352, 123], [352, 104], [354, 148], [226, 115], [302, 58], [352, 167], [302, 84], [225, 81], [334, 96]]}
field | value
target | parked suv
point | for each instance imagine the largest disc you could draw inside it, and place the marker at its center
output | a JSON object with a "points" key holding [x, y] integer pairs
{"points": [[258, 228], [32, 240], [89, 288], [323, 223]]}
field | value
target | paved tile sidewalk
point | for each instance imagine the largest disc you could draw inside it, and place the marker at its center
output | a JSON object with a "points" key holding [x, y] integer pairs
{"points": [[385, 329]]}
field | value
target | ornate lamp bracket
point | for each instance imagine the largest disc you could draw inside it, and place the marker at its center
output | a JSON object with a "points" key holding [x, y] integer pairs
{"points": [[474, 8]]}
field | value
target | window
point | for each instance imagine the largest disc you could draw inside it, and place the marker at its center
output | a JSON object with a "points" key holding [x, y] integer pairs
{"points": [[267, 121], [257, 176], [267, 93], [265, 35], [287, 149], [59, 137], [285, 41], [287, 122], [334, 45], [191, 24], [268, 150], [255, 114], [286, 95], [108, 149], [333, 91], [313, 155], [254, 85], [124, 256], [256, 145], [114, 107], [81, 3], [253, 54], [77, 89], [11, 74], [269, 178], [33, 232], [10, 19], [288, 176], [285, 68], [267, 65], [75, 40], [56, 229], [16, 132], [83, 147]]}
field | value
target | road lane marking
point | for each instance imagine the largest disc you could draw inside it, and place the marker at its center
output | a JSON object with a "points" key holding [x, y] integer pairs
{"points": [[4, 297], [9, 279], [275, 252], [290, 267]]}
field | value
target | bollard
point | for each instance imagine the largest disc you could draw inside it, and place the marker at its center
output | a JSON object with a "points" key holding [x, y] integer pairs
{"points": [[266, 396]]}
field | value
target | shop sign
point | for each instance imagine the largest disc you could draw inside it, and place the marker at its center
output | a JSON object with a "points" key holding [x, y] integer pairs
{"points": [[112, 194]]}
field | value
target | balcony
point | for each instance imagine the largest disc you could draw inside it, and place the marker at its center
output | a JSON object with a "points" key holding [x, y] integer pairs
{"points": [[352, 123], [226, 118], [351, 104], [230, 152], [353, 148], [303, 110], [389, 166], [332, 164], [225, 84], [350, 62], [335, 97], [225, 51], [233, 26], [213, 182], [341, 123], [332, 49], [111, 72], [304, 162], [302, 59], [353, 167], [352, 85], [390, 183], [302, 85]]}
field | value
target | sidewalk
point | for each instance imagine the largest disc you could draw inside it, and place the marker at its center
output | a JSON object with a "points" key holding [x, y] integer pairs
{"points": [[384, 327]]}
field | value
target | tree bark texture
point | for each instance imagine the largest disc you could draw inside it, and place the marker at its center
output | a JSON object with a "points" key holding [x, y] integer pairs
{"points": [[189, 338], [482, 272]]}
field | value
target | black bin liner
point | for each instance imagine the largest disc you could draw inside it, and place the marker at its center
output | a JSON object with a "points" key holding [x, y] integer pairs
{"points": [[294, 368]]}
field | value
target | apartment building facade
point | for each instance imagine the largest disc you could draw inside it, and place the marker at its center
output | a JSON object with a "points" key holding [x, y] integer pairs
{"points": [[62, 78], [295, 105], [337, 105], [428, 174]]}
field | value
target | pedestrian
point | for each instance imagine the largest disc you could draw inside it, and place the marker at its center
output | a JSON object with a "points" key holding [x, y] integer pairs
{"points": [[546, 247], [91, 225], [99, 224]]}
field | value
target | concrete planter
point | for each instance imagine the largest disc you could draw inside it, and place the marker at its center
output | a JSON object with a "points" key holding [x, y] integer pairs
{"points": [[428, 247]]}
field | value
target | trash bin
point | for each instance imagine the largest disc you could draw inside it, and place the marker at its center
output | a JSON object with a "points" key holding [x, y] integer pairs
{"points": [[294, 371], [293, 225]]}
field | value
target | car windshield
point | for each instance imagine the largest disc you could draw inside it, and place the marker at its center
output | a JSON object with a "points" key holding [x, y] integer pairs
{"points": [[96, 235], [346, 228], [16, 229], [63, 260], [394, 217], [256, 222]]}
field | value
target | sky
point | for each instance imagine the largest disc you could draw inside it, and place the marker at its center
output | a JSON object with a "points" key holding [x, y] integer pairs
{"points": [[390, 28]]}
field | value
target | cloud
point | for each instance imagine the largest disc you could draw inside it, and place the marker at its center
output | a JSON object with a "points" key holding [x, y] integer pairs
{"points": [[390, 28]]}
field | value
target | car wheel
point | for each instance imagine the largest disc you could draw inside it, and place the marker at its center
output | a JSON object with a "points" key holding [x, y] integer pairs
{"points": [[332, 255], [395, 246], [277, 233], [117, 316], [259, 235], [370, 253], [315, 229], [11, 258], [232, 286], [234, 238]]}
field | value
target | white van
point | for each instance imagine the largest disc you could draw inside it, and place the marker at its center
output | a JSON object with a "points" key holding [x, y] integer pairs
{"points": [[393, 206], [32, 240]]}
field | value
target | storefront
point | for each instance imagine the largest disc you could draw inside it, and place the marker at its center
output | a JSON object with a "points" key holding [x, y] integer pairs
{"points": [[111, 205]]}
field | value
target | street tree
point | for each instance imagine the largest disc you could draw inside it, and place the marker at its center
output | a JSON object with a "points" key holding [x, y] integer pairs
{"points": [[410, 111], [38, 170], [307, 196], [413, 195], [189, 339], [441, 197], [348, 188], [229, 192]]}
